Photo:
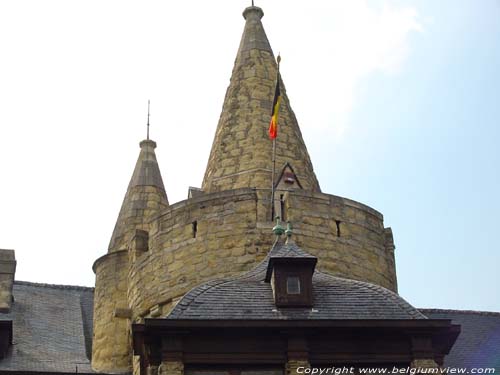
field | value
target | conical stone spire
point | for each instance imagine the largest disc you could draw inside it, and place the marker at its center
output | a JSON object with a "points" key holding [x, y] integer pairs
{"points": [[144, 198], [241, 154]]}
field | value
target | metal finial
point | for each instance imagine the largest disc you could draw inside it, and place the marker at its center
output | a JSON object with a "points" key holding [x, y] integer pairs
{"points": [[278, 229], [148, 122], [289, 230], [252, 3], [279, 60]]}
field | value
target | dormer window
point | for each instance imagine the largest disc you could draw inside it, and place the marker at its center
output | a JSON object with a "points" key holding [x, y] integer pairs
{"points": [[293, 285], [291, 280], [287, 179]]}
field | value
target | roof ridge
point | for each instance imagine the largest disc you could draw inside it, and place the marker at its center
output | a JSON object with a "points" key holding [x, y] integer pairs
{"points": [[471, 312], [54, 286]]}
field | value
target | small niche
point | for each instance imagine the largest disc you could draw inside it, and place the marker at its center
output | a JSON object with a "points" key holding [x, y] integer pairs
{"points": [[282, 207], [194, 226], [337, 222]]}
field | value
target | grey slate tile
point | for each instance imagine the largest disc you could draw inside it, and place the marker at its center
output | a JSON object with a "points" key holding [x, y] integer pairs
{"points": [[334, 297], [52, 328], [478, 345]]}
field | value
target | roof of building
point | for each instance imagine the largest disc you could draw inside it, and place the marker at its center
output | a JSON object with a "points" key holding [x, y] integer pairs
{"points": [[250, 297], [478, 345], [52, 324], [52, 328]]}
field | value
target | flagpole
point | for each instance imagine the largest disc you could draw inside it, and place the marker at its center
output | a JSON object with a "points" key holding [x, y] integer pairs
{"points": [[147, 135], [272, 179], [274, 154]]}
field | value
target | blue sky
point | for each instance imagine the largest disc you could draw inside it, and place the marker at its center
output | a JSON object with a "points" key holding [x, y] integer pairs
{"points": [[398, 102], [428, 157]]}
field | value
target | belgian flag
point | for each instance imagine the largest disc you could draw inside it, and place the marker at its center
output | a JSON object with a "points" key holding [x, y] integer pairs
{"points": [[273, 126]]}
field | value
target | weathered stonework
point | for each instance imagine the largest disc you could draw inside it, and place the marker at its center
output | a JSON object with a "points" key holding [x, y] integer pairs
{"points": [[7, 272], [151, 370], [241, 152], [111, 344], [171, 368], [145, 197], [159, 252], [232, 228], [296, 364]]}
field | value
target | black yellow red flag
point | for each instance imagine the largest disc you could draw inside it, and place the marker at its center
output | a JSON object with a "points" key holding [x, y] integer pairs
{"points": [[273, 125]]}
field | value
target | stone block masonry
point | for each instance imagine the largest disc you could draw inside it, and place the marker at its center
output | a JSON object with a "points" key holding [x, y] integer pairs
{"points": [[233, 235]]}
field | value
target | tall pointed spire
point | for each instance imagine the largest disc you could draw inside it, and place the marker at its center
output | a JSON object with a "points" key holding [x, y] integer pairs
{"points": [[241, 152], [145, 197]]}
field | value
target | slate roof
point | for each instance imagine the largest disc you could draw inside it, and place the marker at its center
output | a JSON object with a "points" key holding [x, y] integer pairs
{"points": [[250, 297], [52, 328], [52, 324], [478, 345]]}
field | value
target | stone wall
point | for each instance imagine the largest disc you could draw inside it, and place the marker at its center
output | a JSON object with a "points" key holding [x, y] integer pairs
{"points": [[140, 203], [111, 343], [348, 237], [226, 242], [222, 234], [7, 273]]}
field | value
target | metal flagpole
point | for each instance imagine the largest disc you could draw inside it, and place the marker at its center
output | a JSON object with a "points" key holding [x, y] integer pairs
{"points": [[147, 135], [274, 152], [272, 179]]}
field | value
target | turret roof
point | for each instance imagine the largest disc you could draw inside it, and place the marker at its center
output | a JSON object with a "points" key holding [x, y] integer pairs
{"points": [[241, 154], [145, 195]]}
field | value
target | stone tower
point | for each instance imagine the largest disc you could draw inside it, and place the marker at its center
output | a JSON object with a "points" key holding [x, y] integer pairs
{"points": [[158, 252], [241, 151], [145, 197]]}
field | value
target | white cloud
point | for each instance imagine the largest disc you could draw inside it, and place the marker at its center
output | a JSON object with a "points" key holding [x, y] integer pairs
{"points": [[346, 41]]}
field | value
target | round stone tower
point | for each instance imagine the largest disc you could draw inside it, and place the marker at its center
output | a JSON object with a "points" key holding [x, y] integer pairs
{"points": [[158, 252], [145, 197]]}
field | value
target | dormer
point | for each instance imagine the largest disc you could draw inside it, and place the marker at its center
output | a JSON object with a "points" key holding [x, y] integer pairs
{"points": [[291, 280], [288, 179]]}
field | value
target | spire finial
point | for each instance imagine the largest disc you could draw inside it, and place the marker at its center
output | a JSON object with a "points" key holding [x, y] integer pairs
{"points": [[147, 137], [279, 60], [278, 229], [253, 3], [289, 230]]}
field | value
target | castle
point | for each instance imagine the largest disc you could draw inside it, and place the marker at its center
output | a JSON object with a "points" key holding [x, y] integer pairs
{"points": [[204, 282]]}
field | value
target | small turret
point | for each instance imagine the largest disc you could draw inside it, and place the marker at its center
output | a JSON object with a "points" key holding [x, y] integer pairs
{"points": [[145, 197]]}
